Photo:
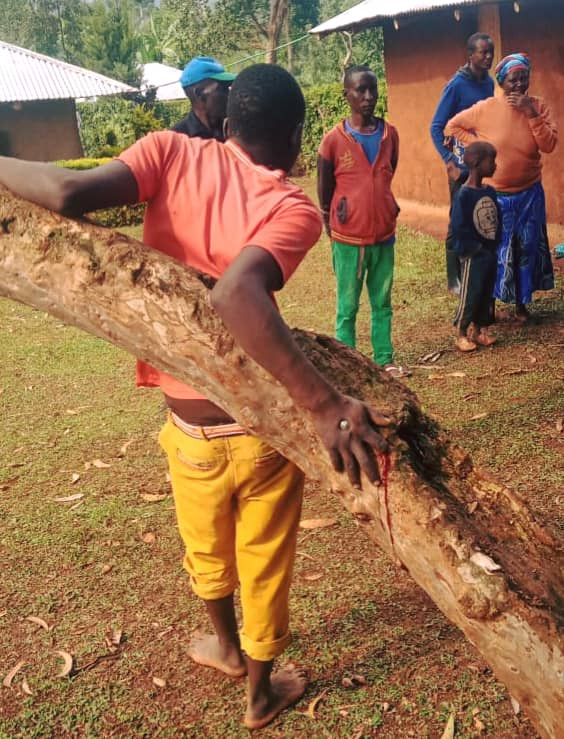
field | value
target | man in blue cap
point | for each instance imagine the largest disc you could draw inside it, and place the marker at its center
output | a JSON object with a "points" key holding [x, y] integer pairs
{"points": [[206, 84]]}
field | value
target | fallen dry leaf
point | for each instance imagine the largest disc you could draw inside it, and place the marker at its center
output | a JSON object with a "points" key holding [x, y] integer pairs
{"points": [[306, 556], [25, 687], [106, 568], [478, 416], [148, 537], [69, 498], [153, 497], [448, 733], [317, 523], [113, 639], [100, 465], [123, 451], [312, 576], [7, 682], [355, 681], [67, 662], [39, 622], [472, 506], [159, 682], [314, 703], [8, 483], [560, 425], [515, 705], [75, 478], [431, 357]]}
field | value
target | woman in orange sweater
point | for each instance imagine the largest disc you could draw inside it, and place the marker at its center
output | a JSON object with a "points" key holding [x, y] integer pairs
{"points": [[520, 127]]}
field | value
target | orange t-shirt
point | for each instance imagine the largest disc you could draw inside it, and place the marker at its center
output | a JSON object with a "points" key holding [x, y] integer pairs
{"points": [[206, 201]]}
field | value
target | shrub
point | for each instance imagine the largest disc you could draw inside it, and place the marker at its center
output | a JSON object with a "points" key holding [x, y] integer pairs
{"points": [[110, 125], [84, 163]]}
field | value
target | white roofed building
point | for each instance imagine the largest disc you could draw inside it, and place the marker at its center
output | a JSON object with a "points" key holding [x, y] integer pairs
{"points": [[165, 79], [37, 103]]}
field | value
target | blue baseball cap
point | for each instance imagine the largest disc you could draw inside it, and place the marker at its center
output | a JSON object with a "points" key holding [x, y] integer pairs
{"points": [[204, 68]]}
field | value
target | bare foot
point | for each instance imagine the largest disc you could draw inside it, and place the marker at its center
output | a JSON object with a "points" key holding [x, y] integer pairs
{"points": [[206, 650], [464, 344], [286, 686], [483, 338]]}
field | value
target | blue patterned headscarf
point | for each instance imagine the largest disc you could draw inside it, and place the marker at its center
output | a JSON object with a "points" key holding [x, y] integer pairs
{"points": [[509, 62]]}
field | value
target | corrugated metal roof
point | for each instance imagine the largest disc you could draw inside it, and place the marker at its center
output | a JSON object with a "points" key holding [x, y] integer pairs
{"points": [[374, 11], [26, 75]]}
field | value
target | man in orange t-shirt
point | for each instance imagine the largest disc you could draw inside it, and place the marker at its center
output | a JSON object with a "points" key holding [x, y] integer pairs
{"points": [[228, 210]]}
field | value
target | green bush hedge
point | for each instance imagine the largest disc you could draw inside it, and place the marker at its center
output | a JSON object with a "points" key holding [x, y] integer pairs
{"points": [[110, 125], [325, 107]]}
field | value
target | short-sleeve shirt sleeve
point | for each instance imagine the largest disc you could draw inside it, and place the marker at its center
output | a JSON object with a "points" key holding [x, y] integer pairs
{"points": [[290, 232], [326, 147], [149, 159]]}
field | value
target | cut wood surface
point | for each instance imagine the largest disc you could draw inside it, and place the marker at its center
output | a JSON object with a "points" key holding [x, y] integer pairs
{"points": [[467, 540]]}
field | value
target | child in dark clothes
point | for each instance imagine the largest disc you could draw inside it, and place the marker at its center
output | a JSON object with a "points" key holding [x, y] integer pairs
{"points": [[476, 225]]}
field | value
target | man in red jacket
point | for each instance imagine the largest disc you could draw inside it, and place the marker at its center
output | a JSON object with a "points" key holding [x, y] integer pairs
{"points": [[357, 160]]}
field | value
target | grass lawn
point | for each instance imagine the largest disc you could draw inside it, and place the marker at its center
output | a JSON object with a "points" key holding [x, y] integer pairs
{"points": [[106, 567]]}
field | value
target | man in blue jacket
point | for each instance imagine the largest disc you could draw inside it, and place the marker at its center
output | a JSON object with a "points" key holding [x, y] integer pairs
{"points": [[470, 84]]}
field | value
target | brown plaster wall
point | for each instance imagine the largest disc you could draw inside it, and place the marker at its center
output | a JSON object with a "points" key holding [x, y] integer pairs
{"points": [[421, 56], [42, 130], [424, 53]]}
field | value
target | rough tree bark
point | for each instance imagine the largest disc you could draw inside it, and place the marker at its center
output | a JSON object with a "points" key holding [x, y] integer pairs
{"points": [[469, 542], [278, 14]]}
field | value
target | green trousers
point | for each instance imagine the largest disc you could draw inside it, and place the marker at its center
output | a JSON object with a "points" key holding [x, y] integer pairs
{"points": [[352, 266]]}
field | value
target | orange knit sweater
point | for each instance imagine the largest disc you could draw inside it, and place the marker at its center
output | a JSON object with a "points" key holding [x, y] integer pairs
{"points": [[519, 140]]}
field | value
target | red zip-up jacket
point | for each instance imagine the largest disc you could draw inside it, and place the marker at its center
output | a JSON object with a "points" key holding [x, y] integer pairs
{"points": [[363, 208]]}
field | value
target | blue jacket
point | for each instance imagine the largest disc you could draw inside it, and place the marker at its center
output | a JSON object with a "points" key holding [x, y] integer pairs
{"points": [[460, 93]]}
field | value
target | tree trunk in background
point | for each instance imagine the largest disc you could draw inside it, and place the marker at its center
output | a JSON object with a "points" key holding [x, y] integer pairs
{"points": [[469, 542], [289, 48], [279, 9]]}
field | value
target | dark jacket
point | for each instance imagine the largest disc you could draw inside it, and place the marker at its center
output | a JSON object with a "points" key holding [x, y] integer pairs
{"points": [[476, 220], [460, 93], [192, 126]]}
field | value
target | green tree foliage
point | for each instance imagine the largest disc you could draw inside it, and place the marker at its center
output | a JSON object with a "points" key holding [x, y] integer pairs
{"points": [[109, 40]]}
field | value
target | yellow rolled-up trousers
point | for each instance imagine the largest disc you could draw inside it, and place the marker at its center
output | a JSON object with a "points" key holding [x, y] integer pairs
{"points": [[238, 505]]}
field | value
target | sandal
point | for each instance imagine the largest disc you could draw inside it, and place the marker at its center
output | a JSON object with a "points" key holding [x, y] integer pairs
{"points": [[396, 371]]}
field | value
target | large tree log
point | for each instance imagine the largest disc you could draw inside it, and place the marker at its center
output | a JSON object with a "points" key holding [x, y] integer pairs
{"points": [[469, 542]]}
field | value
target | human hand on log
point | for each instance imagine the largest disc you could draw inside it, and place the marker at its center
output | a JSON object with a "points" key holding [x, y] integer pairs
{"points": [[349, 430]]}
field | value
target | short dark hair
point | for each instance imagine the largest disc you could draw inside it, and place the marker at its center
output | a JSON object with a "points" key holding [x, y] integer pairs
{"points": [[355, 69], [472, 41], [265, 104], [475, 152]]}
